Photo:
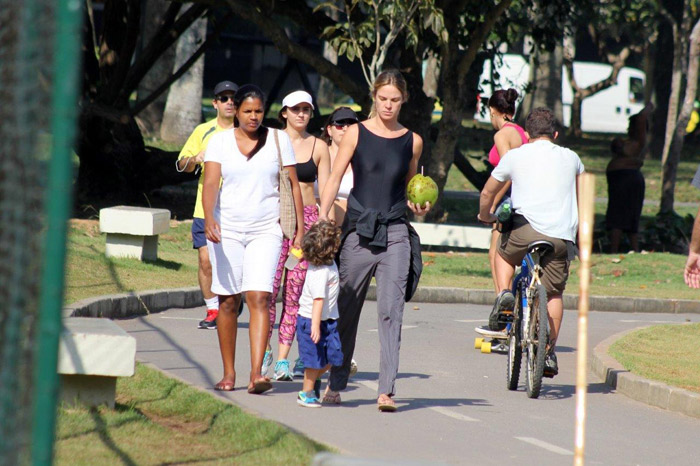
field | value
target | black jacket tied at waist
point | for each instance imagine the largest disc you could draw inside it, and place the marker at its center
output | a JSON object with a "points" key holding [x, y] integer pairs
{"points": [[372, 224]]}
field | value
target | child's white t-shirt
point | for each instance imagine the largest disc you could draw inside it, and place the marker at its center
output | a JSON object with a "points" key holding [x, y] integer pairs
{"points": [[321, 282], [249, 195]]}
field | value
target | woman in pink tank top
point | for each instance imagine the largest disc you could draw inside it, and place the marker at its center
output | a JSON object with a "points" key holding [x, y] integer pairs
{"points": [[508, 136]]}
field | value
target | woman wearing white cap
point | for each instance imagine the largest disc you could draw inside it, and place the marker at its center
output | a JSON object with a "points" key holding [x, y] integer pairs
{"points": [[313, 164]]}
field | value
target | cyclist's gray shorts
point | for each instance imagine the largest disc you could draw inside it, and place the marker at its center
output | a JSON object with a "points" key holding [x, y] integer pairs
{"points": [[555, 266]]}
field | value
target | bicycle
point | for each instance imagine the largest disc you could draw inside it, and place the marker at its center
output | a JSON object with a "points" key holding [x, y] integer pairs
{"points": [[529, 330]]}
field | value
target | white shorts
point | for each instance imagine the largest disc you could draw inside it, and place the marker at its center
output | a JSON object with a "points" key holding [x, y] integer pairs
{"points": [[245, 261]]}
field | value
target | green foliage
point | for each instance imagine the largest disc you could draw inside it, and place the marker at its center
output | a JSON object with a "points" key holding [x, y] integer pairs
{"points": [[668, 232], [365, 29]]}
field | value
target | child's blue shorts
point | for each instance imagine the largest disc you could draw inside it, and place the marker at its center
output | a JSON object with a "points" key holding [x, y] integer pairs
{"points": [[326, 351]]}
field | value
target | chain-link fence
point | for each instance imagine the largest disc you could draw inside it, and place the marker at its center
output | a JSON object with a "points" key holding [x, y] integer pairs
{"points": [[32, 46]]}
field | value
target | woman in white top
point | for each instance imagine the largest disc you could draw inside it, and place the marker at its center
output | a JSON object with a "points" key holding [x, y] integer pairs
{"points": [[338, 122], [241, 221]]}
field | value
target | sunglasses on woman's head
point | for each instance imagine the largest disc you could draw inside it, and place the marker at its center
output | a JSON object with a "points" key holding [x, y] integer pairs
{"points": [[224, 98]]}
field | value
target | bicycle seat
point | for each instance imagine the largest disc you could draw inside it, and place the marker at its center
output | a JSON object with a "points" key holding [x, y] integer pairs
{"points": [[542, 246]]}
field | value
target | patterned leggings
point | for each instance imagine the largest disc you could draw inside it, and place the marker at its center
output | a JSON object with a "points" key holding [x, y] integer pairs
{"points": [[293, 284]]}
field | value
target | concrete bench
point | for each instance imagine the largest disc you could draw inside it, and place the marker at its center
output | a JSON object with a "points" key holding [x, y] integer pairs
{"points": [[433, 234], [133, 231], [92, 353]]}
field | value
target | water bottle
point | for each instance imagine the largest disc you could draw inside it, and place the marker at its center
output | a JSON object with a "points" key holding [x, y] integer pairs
{"points": [[503, 212]]}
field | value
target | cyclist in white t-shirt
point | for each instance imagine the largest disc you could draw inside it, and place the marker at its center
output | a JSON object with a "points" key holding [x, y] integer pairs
{"points": [[544, 198], [241, 223]]}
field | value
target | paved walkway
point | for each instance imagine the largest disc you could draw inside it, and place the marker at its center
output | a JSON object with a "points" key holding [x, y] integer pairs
{"points": [[453, 404]]}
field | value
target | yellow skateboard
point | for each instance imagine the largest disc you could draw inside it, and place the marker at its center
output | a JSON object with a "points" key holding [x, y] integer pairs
{"points": [[498, 340]]}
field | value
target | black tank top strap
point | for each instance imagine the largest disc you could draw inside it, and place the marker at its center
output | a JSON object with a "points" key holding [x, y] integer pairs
{"points": [[307, 171]]}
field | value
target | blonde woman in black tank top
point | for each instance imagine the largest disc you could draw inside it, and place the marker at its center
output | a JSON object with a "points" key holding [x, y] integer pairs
{"points": [[313, 162], [384, 157]]}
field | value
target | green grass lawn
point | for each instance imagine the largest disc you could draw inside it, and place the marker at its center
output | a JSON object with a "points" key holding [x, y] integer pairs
{"points": [[158, 420], [90, 273], [666, 353]]}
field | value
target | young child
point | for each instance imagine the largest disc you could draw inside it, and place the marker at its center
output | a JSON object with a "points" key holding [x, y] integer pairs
{"points": [[317, 333]]}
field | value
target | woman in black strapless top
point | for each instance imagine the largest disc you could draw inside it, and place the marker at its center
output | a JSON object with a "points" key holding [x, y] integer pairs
{"points": [[313, 162], [378, 240]]}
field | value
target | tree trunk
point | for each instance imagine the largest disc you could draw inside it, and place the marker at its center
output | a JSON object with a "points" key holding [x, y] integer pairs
{"points": [[661, 81], [183, 110], [545, 81], [673, 101], [670, 167], [150, 118]]}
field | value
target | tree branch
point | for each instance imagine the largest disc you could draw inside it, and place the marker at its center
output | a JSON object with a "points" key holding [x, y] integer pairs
{"points": [[478, 36], [142, 104], [166, 36], [286, 46]]}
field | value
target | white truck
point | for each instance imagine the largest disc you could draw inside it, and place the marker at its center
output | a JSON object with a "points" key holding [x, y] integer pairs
{"points": [[605, 112]]}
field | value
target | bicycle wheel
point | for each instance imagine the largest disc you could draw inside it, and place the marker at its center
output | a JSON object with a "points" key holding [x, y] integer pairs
{"points": [[537, 338], [515, 350]]}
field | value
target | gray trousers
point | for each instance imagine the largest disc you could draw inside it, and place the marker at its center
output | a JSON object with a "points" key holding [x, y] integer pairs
{"points": [[359, 262]]}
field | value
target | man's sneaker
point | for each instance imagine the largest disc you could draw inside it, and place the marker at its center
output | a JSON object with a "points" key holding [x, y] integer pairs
{"points": [[353, 368], [298, 370], [209, 321], [317, 388], [502, 310], [267, 362], [308, 401], [282, 372], [551, 368]]}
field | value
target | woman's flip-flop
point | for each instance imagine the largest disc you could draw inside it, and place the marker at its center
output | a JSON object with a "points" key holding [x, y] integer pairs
{"points": [[259, 386], [224, 386], [385, 404]]}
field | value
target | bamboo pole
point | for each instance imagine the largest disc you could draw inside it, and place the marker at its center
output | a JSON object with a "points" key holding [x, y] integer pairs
{"points": [[586, 197]]}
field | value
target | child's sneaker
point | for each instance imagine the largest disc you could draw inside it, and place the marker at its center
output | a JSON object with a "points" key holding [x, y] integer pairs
{"points": [[282, 371], [308, 401], [209, 322], [298, 370], [267, 362]]}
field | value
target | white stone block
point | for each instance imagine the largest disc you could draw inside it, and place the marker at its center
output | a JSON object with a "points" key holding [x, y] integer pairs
{"points": [[138, 221], [95, 346], [133, 231], [137, 247], [434, 234]]}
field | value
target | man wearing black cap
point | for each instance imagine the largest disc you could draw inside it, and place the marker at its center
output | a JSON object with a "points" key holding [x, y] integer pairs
{"points": [[192, 157]]}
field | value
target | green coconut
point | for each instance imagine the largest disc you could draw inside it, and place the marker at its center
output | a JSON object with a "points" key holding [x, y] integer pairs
{"points": [[422, 189]]}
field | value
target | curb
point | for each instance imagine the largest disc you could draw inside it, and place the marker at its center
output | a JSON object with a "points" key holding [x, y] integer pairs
{"points": [[638, 388], [119, 306]]}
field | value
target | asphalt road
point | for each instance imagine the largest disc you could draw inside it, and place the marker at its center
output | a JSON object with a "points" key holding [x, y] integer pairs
{"points": [[454, 407]]}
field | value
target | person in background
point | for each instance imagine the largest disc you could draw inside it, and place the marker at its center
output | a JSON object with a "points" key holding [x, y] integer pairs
{"points": [[313, 164], [337, 124], [691, 273], [508, 136], [241, 201], [626, 182], [192, 157], [317, 332]]}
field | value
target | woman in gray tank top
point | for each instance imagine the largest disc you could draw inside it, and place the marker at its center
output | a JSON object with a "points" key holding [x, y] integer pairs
{"points": [[377, 237]]}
